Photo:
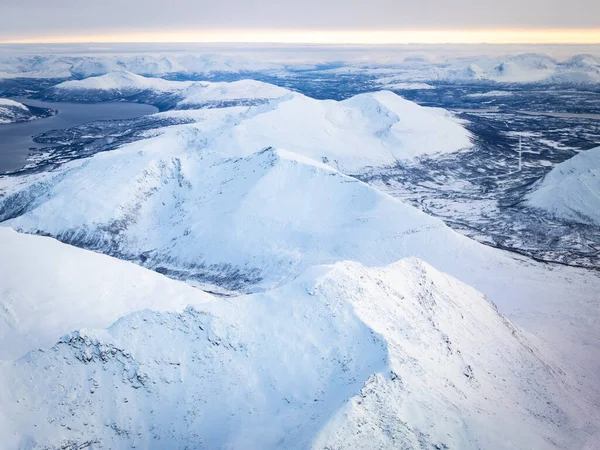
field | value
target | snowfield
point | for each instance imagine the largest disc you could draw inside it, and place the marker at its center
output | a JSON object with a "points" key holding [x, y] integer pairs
{"points": [[344, 357], [571, 190]]}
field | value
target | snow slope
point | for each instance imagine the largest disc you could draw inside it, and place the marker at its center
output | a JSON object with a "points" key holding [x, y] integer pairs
{"points": [[12, 111], [343, 357], [247, 92], [48, 288], [571, 190], [503, 64]]}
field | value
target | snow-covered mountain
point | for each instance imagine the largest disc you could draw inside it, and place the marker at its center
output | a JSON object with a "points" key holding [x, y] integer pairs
{"points": [[390, 127], [520, 68], [121, 85], [343, 357], [246, 196], [571, 190], [254, 196], [155, 65], [466, 64], [12, 111]]}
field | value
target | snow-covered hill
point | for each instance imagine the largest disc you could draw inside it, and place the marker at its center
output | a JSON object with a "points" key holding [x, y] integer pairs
{"points": [[12, 112], [163, 93], [122, 81], [343, 357], [48, 288], [571, 190]]}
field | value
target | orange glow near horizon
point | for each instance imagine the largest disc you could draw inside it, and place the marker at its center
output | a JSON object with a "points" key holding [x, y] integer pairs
{"points": [[509, 36]]}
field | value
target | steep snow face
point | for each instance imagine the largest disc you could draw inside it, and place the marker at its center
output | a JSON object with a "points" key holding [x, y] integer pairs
{"points": [[344, 357], [571, 190], [48, 288]]}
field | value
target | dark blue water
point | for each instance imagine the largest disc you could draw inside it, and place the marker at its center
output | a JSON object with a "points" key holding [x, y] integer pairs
{"points": [[16, 139]]}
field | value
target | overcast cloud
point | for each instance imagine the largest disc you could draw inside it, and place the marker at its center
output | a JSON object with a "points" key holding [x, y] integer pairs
{"points": [[27, 18]]}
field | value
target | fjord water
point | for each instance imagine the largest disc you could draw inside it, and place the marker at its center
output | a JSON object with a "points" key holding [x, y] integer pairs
{"points": [[16, 139]]}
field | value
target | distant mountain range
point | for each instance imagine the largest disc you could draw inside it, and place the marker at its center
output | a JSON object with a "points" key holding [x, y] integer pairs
{"points": [[510, 68]]}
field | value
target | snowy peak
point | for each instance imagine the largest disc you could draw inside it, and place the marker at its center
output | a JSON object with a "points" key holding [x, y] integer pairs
{"points": [[342, 356], [571, 190], [368, 130], [583, 62]]}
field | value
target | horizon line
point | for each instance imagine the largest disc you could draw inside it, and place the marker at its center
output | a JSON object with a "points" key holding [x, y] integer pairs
{"points": [[357, 37]]}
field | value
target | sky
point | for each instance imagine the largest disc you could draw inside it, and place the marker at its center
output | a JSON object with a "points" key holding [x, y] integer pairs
{"points": [[335, 21]]}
